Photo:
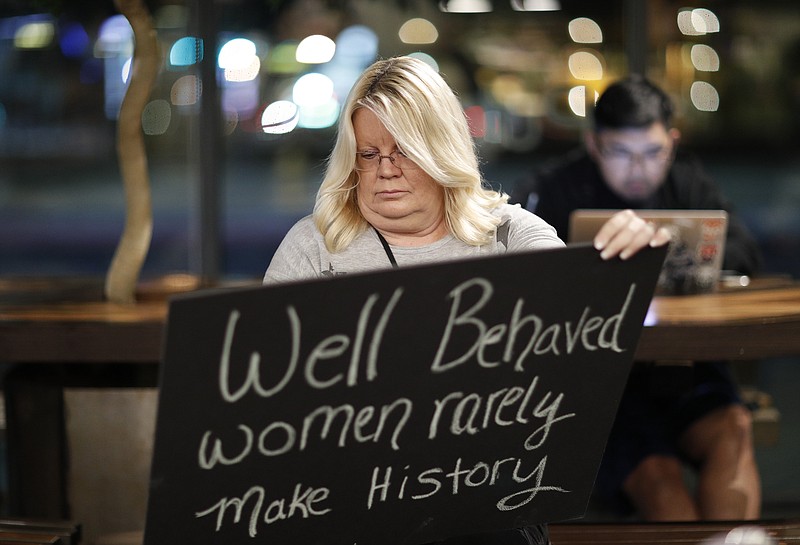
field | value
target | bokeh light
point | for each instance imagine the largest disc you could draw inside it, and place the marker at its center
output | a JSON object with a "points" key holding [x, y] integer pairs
{"points": [[697, 22], [465, 6], [236, 54], [314, 95], [312, 89], [282, 59], [342, 74], [505, 86], [704, 96], [34, 35], [115, 46], [585, 31], [535, 5], [186, 51], [685, 24], [510, 91], [156, 117], [319, 116], [315, 49], [427, 59], [576, 98], [115, 38], [357, 45], [126, 70], [418, 31], [74, 40], [705, 58], [705, 20], [586, 65], [280, 117], [356, 48], [240, 62], [244, 73], [185, 91]]}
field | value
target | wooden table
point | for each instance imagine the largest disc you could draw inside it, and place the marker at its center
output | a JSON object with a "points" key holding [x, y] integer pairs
{"points": [[63, 320], [749, 323], [754, 322]]}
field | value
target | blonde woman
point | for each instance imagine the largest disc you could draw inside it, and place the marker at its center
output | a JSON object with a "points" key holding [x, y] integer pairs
{"points": [[403, 187]]}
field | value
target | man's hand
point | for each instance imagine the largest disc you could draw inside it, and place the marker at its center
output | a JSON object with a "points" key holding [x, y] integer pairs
{"points": [[626, 233]]}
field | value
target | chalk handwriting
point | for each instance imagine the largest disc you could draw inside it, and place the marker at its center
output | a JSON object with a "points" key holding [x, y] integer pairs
{"points": [[303, 503], [206, 461], [419, 485], [593, 332], [348, 357], [471, 413], [329, 348], [369, 423]]}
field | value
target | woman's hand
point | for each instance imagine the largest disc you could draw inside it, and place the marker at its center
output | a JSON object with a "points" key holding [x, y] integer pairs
{"points": [[626, 233]]}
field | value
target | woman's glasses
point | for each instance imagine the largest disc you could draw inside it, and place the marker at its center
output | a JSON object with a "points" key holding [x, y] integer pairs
{"points": [[371, 160]]}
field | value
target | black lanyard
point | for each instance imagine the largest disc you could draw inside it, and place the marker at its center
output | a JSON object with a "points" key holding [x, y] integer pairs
{"points": [[386, 248]]}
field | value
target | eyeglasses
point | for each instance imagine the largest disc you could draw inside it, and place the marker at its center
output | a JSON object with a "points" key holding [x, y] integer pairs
{"points": [[371, 160], [622, 157]]}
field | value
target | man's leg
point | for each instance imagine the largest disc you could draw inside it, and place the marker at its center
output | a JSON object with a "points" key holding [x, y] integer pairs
{"points": [[657, 490], [728, 486]]}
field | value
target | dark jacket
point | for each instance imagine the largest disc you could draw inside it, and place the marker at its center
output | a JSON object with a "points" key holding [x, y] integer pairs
{"points": [[574, 182]]}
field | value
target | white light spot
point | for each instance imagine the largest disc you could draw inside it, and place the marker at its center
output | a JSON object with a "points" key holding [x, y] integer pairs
{"points": [[704, 96], [585, 31], [705, 58], [280, 117], [585, 65], [315, 49]]}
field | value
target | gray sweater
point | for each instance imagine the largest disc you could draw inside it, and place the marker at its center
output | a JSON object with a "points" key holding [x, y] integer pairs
{"points": [[302, 253]]}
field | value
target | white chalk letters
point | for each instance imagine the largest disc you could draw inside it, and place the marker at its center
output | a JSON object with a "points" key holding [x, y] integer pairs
{"points": [[349, 358]]}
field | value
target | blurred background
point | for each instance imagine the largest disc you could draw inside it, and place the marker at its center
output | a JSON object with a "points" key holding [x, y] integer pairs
{"points": [[525, 71], [244, 109]]}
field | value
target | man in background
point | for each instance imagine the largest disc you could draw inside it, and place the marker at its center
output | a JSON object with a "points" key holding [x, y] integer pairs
{"points": [[631, 161]]}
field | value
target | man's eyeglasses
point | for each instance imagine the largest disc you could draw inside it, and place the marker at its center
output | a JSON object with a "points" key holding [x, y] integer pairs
{"points": [[371, 160], [619, 156]]}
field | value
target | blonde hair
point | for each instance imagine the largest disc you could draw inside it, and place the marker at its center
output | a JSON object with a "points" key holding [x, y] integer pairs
{"points": [[427, 121]]}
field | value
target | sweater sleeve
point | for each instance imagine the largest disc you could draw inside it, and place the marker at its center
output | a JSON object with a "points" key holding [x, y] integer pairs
{"points": [[297, 256], [527, 231]]}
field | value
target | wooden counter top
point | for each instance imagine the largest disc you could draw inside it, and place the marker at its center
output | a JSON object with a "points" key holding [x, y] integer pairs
{"points": [[67, 321]]}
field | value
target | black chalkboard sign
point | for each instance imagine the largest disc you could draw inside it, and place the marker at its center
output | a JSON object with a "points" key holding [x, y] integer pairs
{"points": [[403, 406]]}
